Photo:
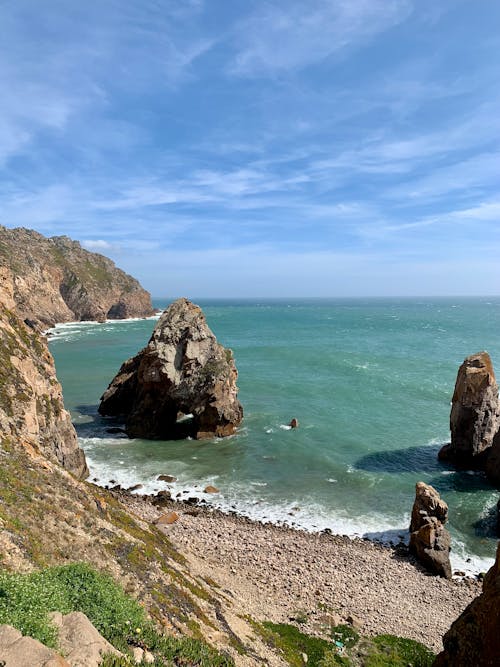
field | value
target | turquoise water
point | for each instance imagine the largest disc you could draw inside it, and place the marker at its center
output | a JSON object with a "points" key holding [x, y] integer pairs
{"points": [[370, 382]]}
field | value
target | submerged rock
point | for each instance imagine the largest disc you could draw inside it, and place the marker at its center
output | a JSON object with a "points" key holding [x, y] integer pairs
{"points": [[429, 539], [183, 370], [474, 638], [475, 412]]}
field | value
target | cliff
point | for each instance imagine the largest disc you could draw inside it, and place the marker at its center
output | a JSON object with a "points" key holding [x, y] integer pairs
{"points": [[56, 280], [32, 414]]}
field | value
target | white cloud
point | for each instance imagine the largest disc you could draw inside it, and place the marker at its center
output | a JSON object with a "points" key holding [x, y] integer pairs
{"points": [[98, 245], [280, 37]]}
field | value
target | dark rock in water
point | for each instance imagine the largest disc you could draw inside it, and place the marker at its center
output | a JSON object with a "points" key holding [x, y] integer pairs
{"points": [[294, 423], [183, 369], [115, 429], [136, 487], [474, 638], [475, 412], [166, 478], [429, 539], [161, 498]]}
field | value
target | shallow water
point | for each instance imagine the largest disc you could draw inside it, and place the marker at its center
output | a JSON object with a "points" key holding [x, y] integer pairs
{"points": [[370, 382]]}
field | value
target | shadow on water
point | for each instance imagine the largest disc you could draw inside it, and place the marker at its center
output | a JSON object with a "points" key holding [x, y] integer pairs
{"points": [[96, 426], [486, 526], [394, 536], [412, 459]]}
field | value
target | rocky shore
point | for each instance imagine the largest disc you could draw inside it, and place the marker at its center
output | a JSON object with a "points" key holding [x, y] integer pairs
{"points": [[313, 579]]}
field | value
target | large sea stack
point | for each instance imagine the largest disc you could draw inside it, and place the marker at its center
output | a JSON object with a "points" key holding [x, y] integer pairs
{"points": [[474, 638], [475, 418], [182, 371]]}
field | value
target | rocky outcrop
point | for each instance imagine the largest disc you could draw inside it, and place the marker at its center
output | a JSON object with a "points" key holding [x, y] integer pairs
{"points": [[475, 419], [182, 371], [473, 639], [475, 412], [32, 412], [19, 651], [70, 283], [80, 641], [429, 539]]}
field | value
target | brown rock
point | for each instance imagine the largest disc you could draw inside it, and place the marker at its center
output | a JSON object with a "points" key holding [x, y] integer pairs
{"points": [[475, 411], [56, 280], [429, 540], [19, 651], [294, 423], [211, 489], [80, 641], [167, 519], [166, 478], [474, 638], [162, 498], [427, 503], [32, 412], [183, 369]]}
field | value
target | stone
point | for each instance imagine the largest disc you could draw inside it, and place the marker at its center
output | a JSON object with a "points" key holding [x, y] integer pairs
{"points": [[19, 651], [161, 498], [475, 412], [474, 638], [427, 503], [183, 369], [167, 519], [429, 539], [166, 478], [80, 641], [137, 654], [294, 423], [211, 489]]}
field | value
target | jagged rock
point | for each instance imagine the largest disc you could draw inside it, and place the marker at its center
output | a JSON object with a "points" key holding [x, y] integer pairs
{"points": [[183, 369], [32, 412], [19, 651], [474, 638], [80, 641], [429, 539], [56, 280], [475, 412]]}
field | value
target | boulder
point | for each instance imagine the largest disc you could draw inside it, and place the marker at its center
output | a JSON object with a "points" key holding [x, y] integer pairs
{"points": [[167, 519], [473, 639], [80, 641], [19, 651], [211, 489], [182, 371], [429, 539], [475, 412]]}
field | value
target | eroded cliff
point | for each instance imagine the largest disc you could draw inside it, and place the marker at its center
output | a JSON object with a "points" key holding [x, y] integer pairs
{"points": [[56, 280]]}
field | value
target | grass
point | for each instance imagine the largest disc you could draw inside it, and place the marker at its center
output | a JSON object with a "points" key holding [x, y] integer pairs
{"points": [[26, 601], [347, 648]]}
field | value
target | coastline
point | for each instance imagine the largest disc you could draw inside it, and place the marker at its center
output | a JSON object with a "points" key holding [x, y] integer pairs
{"points": [[284, 574]]}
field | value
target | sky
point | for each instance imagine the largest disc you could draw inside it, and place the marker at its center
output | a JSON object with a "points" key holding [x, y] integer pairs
{"points": [[251, 148]]}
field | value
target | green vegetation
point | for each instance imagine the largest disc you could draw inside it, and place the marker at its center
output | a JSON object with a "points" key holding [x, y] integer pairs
{"points": [[347, 648], [26, 601]]}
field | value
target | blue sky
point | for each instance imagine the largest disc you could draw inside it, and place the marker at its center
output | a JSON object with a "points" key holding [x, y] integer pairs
{"points": [[252, 148]]}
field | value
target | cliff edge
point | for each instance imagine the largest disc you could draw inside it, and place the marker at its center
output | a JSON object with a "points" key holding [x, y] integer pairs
{"points": [[56, 280]]}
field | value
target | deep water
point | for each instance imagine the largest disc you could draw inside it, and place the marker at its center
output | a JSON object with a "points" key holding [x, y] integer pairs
{"points": [[370, 382]]}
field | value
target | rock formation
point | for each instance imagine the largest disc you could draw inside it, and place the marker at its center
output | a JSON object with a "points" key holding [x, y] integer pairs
{"points": [[475, 412], [474, 638], [429, 539], [32, 412], [182, 371], [475, 419], [56, 280]]}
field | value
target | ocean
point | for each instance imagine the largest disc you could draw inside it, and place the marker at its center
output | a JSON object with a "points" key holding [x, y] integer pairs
{"points": [[370, 381]]}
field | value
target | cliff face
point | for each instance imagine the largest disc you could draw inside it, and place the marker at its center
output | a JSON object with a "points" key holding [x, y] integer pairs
{"points": [[32, 413], [56, 280], [183, 369]]}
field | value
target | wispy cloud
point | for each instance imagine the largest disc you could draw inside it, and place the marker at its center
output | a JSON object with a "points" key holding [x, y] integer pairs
{"points": [[278, 38]]}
